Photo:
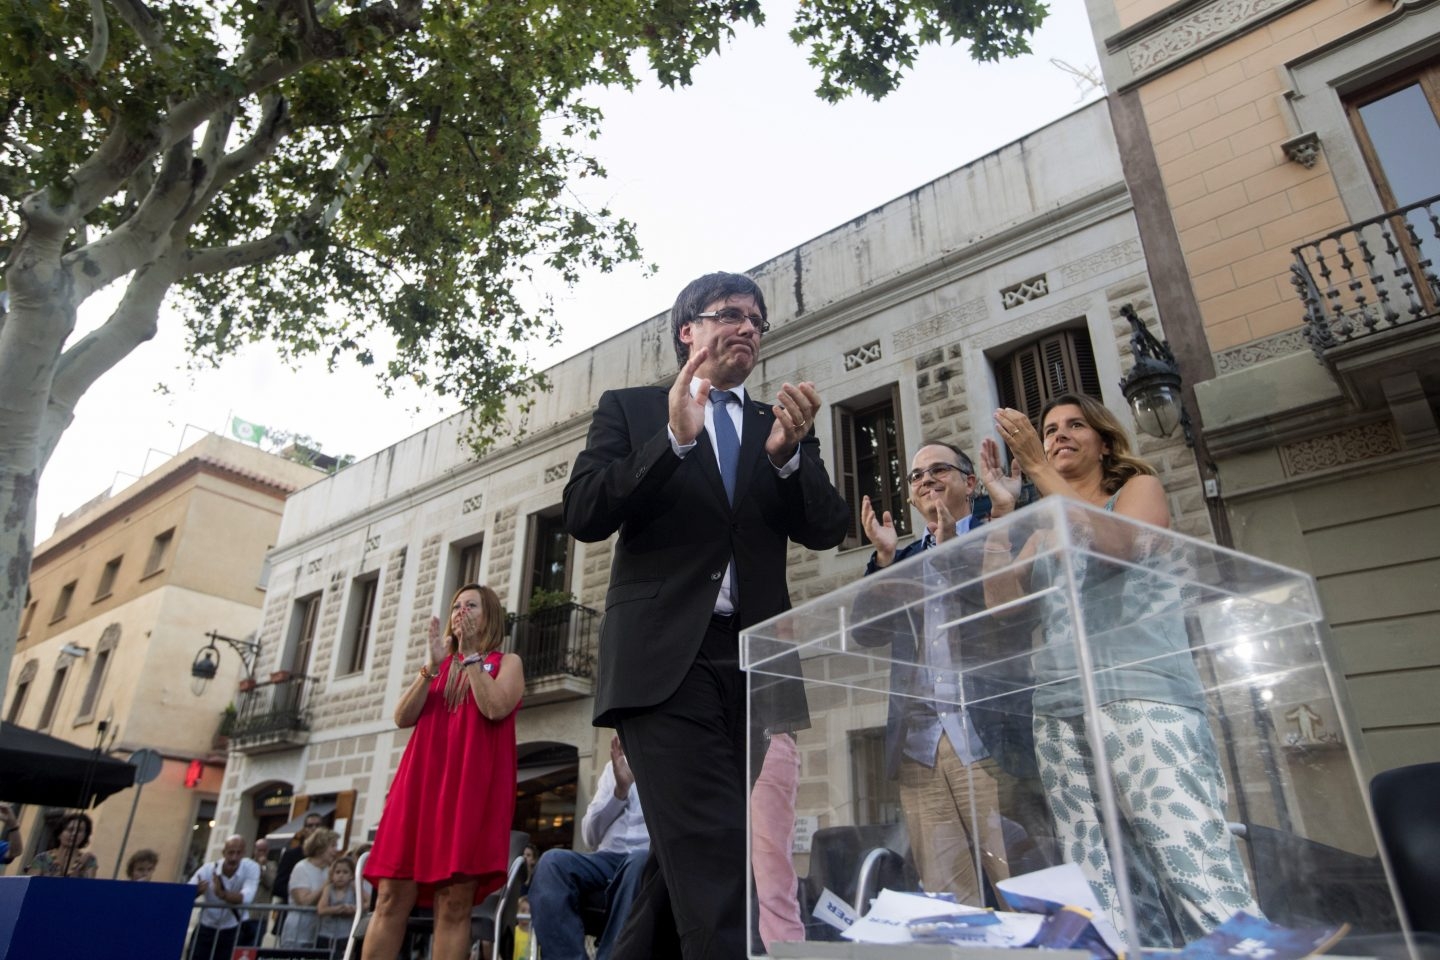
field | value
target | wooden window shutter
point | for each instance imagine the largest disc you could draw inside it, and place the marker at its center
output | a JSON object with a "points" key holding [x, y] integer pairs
{"points": [[1037, 372]]}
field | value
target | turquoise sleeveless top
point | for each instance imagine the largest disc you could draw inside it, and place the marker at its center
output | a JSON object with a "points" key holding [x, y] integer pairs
{"points": [[1136, 631]]}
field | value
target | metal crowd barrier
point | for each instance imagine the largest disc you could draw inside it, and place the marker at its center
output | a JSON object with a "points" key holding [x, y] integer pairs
{"points": [[262, 935]]}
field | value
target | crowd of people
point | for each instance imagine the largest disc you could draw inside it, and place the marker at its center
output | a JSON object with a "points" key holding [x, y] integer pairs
{"points": [[707, 487]]}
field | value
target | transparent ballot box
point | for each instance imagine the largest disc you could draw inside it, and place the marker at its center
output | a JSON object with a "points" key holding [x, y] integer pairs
{"points": [[1063, 708]]}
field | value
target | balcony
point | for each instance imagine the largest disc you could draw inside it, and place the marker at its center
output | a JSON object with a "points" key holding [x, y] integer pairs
{"points": [[557, 645], [272, 715], [1372, 310]]}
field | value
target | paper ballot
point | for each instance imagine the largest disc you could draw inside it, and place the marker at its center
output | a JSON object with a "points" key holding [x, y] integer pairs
{"points": [[891, 911], [1045, 891]]}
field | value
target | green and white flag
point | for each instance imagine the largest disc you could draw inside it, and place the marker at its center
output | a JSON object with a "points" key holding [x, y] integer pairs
{"points": [[244, 430]]}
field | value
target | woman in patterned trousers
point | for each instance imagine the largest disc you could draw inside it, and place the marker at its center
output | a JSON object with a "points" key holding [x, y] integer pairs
{"points": [[1185, 876]]}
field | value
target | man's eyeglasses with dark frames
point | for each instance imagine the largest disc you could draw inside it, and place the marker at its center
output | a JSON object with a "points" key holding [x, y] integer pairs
{"points": [[937, 471], [734, 316]]}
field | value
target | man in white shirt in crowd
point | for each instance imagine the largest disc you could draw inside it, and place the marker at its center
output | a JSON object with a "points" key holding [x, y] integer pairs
{"points": [[614, 825], [226, 886]]}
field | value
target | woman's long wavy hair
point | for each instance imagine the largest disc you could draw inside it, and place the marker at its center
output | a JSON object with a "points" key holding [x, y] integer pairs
{"points": [[1120, 463], [492, 633]]}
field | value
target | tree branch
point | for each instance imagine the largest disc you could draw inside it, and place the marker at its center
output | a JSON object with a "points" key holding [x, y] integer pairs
{"points": [[240, 255], [135, 15], [274, 126], [134, 321], [99, 36], [144, 236]]}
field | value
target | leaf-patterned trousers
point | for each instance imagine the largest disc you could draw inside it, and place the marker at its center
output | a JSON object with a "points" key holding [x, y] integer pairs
{"points": [[1184, 867]]}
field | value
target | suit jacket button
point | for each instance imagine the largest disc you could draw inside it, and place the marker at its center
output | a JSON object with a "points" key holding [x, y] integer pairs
{"points": [[717, 575]]}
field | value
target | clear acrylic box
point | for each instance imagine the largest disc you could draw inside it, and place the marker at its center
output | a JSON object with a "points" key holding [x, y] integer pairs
{"points": [[1231, 776]]}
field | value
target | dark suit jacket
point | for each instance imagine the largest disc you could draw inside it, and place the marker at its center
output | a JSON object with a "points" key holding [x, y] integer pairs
{"points": [[678, 533], [1003, 718]]}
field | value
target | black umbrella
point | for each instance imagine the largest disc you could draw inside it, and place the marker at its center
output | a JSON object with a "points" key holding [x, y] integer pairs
{"points": [[41, 769]]}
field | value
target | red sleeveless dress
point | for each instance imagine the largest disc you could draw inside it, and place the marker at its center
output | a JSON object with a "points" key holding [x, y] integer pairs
{"points": [[449, 809]]}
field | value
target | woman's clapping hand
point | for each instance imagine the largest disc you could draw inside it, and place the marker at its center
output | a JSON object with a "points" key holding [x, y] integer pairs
{"points": [[437, 645]]}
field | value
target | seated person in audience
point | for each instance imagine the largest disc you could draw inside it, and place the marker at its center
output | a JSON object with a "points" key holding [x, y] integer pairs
{"points": [[10, 840], [614, 825], [141, 865], [68, 858], [522, 933]]}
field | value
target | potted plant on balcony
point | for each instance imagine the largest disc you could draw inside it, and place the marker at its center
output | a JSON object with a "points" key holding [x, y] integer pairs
{"points": [[542, 600], [245, 685], [280, 676]]}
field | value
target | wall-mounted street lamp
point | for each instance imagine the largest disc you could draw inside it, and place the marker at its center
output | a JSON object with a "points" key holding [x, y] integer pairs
{"points": [[1152, 387], [207, 660]]}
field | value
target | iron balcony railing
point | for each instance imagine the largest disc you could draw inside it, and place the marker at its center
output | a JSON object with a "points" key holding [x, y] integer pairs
{"points": [[271, 709], [1370, 276], [556, 641]]}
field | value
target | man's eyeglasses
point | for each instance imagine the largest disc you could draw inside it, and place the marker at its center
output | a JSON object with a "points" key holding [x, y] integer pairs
{"points": [[937, 471], [734, 316]]}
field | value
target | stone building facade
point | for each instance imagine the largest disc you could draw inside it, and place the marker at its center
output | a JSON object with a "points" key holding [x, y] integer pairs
{"points": [[1281, 157], [904, 317], [122, 597]]}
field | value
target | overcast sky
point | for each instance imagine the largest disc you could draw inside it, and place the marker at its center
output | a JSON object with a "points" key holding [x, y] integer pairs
{"points": [[742, 166]]}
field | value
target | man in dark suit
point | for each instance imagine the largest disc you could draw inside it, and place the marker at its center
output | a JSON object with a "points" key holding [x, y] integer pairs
{"points": [[705, 491], [947, 757]]}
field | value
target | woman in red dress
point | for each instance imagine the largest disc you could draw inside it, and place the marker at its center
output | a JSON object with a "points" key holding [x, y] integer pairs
{"points": [[444, 838]]}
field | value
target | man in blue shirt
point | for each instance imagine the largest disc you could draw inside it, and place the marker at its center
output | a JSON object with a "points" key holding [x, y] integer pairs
{"points": [[959, 769]]}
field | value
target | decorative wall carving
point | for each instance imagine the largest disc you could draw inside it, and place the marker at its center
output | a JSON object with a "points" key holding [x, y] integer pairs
{"points": [[1101, 261], [372, 543], [1019, 294], [1364, 442], [862, 355], [1304, 149], [1195, 29], [818, 372], [556, 471], [472, 504], [314, 566], [1256, 351], [1034, 323], [947, 321]]}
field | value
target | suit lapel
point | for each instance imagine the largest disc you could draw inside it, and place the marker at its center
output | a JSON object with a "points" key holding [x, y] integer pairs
{"points": [[709, 464], [755, 424]]}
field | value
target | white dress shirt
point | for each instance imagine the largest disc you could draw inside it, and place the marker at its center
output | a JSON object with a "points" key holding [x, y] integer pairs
{"points": [[612, 825]]}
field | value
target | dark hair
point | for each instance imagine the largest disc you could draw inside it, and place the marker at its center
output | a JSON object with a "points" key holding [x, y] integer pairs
{"points": [[698, 294], [961, 459], [494, 630], [141, 858], [80, 818], [1119, 464]]}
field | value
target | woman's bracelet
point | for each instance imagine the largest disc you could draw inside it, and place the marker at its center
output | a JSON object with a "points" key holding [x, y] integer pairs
{"points": [[425, 673], [472, 659]]}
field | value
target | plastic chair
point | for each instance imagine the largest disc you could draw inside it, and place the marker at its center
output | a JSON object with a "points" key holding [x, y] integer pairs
{"points": [[1407, 809], [1304, 883], [855, 864], [492, 921]]}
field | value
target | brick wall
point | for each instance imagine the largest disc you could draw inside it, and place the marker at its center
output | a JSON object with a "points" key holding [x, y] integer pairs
{"points": [[1239, 204]]}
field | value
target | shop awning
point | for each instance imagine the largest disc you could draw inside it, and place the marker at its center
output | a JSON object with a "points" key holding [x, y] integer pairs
{"points": [[285, 833]]}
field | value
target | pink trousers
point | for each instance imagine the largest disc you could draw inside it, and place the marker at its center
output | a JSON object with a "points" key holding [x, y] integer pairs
{"points": [[772, 819]]}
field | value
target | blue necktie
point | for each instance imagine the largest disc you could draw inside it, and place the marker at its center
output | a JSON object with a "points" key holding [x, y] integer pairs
{"points": [[727, 443]]}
